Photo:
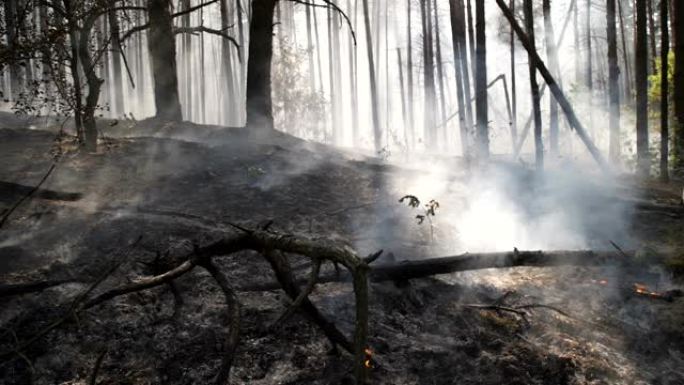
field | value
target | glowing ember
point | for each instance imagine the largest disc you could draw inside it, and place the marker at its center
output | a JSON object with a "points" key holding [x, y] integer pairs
{"points": [[367, 362], [602, 282], [643, 289]]}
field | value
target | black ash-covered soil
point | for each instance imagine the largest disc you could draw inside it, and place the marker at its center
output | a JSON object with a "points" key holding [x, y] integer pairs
{"points": [[178, 185]]}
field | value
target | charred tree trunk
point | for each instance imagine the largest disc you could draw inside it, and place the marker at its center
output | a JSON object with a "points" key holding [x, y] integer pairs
{"points": [[652, 37], [627, 79], [310, 48], [534, 87], [377, 134], [404, 112], [12, 26], [641, 80], [259, 104], [117, 74], [664, 91], [429, 75], [227, 69], [552, 58], [72, 26], [353, 76], [471, 37], [440, 76], [94, 84], [162, 48], [588, 78], [458, 43], [514, 93], [481, 82], [409, 72], [613, 79], [678, 97]]}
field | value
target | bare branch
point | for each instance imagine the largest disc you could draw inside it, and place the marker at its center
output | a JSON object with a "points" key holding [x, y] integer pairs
{"points": [[330, 4]]}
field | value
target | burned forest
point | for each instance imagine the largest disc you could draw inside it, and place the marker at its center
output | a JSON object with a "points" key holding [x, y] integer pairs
{"points": [[391, 192]]}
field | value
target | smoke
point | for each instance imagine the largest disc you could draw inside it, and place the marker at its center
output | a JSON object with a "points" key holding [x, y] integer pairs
{"points": [[499, 207]]}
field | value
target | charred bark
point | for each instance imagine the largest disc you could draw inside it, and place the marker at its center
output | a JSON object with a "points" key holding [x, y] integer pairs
{"points": [[162, 48], [259, 104]]}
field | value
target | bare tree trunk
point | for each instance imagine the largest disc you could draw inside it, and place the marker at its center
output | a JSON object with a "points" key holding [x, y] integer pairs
{"points": [[440, 75], [471, 37], [429, 76], [534, 87], [259, 104], [338, 122], [588, 78], [514, 94], [117, 74], [459, 47], [310, 48], [641, 80], [377, 134], [678, 97], [162, 48], [652, 38], [404, 111], [94, 83], [353, 68], [552, 58], [577, 56], [664, 92], [613, 86], [227, 71], [409, 73], [554, 88], [186, 67], [11, 26], [481, 82], [627, 79], [72, 26]]}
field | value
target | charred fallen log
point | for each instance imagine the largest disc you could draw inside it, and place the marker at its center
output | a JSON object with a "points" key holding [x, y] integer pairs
{"points": [[472, 261], [12, 191]]}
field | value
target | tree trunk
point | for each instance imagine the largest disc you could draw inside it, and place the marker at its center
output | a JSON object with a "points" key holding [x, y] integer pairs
{"points": [[458, 43], [310, 48], [471, 38], [641, 81], [652, 38], [428, 76], [577, 56], [404, 112], [94, 84], [534, 87], [678, 97], [377, 134], [514, 93], [440, 76], [664, 91], [627, 79], [117, 74], [353, 65], [409, 73], [186, 57], [11, 26], [552, 58], [588, 78], [227, 70], [554, 88], [259, 104], [72, 26], [481, 82], [613, 85], [162, 48]]}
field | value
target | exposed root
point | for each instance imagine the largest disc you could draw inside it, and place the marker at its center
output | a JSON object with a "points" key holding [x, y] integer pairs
{"points": [[234, 321]]}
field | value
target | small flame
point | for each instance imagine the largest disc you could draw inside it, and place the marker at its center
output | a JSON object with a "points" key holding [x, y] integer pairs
{"points": [[368, 363], [602, 282], [643, 289]]}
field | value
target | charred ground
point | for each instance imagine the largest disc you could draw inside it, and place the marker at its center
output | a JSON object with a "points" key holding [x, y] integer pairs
{"points": [[177, 193]]}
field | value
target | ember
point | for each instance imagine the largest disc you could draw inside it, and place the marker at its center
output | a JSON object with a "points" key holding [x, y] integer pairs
{"points": [[368, 363], [669, 295]]}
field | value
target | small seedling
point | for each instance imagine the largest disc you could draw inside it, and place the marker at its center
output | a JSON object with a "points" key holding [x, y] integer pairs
{"points": [[429, 210]]}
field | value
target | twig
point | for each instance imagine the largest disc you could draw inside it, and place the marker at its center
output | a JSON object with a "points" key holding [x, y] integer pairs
{"points": [[96, 369], [315, 270], [28, 195]]}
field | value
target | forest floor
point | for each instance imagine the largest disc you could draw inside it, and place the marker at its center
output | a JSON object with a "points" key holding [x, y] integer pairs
{"points": [[177, 185]]}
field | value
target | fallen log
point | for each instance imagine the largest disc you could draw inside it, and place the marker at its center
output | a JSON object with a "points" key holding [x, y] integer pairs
{"points": [[7, 290], [422, 268], [13, 191]]}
